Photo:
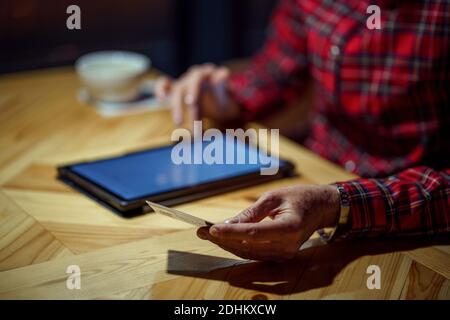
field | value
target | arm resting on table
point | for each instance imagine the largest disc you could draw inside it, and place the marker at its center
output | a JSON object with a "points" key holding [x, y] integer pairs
{"points": [[413, 202]]}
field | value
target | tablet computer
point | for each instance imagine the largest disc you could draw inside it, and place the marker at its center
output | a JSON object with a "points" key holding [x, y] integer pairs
{"points": [[125, 182]]}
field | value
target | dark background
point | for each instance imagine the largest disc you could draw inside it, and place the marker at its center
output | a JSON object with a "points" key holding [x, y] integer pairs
{"points": [[173, 33]]}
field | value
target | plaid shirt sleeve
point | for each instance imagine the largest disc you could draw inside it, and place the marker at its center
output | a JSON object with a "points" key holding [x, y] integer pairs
{"points": [[413, 202], [276, 71]]}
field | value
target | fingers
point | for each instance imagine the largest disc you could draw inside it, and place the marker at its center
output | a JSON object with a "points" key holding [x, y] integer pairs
{"points": [[247, 236], [196, 80], [162, 87], [251, 232], [189, 91], [177, 103], [265, 250], [220, 75], [263, 207], [194, 87]]}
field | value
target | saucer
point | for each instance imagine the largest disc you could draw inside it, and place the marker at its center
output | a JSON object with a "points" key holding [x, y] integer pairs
{"points": [[144, 102]]}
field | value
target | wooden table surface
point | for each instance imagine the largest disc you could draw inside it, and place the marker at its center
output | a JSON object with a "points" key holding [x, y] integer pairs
{"points": [[45, 226]]}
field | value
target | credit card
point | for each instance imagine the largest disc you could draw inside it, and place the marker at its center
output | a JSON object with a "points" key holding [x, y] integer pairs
{"points": [[176, 214]]}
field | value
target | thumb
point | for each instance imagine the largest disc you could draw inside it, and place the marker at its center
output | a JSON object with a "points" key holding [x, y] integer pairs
{"points": [[262, 208]]}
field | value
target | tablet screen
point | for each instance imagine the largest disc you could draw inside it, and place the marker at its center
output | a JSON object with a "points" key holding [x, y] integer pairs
{"points": [[152, 172]]}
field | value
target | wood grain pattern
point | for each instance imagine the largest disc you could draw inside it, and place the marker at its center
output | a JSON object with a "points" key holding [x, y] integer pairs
{"points": [[23, 241], [46, 226]]}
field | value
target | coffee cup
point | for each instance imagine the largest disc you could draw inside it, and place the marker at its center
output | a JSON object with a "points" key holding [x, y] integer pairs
{"points": [[114, 76]]}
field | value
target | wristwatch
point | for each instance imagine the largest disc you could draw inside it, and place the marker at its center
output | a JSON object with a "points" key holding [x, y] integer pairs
{"points": [[328, 234]]}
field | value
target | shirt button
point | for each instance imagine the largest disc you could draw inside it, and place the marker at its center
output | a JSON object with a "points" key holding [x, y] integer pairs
{"points": [[349, 166], [335, 51]]}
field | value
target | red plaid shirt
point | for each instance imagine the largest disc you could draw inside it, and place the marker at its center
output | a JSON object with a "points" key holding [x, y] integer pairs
{"points": [[382, 104]]}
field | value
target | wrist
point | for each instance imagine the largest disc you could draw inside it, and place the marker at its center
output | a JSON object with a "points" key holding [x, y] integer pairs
{"points": [[332, 207]]}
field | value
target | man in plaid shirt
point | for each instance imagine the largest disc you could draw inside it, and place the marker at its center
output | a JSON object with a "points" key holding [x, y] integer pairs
{"points": [[382, 111]]}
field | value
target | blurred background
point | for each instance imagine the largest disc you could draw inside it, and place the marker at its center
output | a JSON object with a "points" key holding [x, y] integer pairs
{"points": [[173, 33]]}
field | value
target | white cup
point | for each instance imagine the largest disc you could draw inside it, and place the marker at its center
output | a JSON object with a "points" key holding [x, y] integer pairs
{"points": [[114, 76]]}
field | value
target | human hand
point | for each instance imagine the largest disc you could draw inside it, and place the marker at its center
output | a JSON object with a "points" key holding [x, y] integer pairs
{"points": [[201, 91], [296, 212]]}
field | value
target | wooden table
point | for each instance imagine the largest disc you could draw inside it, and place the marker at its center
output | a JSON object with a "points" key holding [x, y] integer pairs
{"points": [[46, 226]]}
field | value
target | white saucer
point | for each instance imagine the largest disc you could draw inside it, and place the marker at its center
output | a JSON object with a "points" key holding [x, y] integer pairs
{"points": [[145, 102]]}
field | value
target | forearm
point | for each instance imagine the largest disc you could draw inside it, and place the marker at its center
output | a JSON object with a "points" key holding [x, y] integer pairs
{"points": [[414, 202]]}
